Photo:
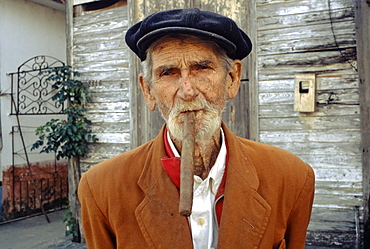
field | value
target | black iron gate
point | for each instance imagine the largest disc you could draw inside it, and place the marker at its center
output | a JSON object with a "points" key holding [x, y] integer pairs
{"points": [[33, 186]]}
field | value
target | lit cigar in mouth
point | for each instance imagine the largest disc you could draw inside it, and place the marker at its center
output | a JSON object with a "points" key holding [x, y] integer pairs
{"points": [[186, 168]]}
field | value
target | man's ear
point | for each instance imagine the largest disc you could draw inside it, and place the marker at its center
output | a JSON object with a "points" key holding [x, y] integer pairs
{"points": [[233, 82], [148, 94]]}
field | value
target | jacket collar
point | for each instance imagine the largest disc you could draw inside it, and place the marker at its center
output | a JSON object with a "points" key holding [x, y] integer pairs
{"points": [[244, 210]]}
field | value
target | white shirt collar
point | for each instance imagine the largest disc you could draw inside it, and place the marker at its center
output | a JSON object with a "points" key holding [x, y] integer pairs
{"points": [[217, 169]]}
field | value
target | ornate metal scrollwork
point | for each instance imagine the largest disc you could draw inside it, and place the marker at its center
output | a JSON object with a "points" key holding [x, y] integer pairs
{"points": [[32, 93]]}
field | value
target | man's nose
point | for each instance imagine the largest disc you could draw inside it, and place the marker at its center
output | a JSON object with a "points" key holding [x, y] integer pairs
{"points": [[187, 90]]}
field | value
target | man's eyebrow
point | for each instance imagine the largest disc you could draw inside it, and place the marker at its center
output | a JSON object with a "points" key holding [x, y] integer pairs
{"points": [[164, 68], [201, 63]]}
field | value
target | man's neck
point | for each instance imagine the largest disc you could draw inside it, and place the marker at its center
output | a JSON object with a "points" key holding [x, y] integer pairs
{"points": [[205, 153]]}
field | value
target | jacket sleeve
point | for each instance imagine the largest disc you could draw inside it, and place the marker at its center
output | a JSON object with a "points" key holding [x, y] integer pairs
{"points": [[96, 227], [301, 213]]}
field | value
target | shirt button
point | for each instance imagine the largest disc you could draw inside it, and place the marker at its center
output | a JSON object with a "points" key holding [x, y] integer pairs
{"points": [[201, 221]]}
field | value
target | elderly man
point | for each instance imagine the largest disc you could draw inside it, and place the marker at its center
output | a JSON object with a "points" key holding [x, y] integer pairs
{"points": [[246, 194]]}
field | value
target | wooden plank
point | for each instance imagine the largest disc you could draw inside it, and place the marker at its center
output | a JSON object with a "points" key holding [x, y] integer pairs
{"points": [[112, 96], [123, 117], [329, 190], [106, 66], [133, 17], [341, 200], [114, 85], [306, 19], [348, 175], [346, 149], [69, 33], [287, 72], [310, 123], [312, 32], [363, 51], [285, 44], [286, 110], [101, 27], [121, 126], [102, 151], [101, 46], [123, 138], [340, 240], [339, 81], [108, 107], [318, 61], [354, 187], [252, 73], [338, 188], [107, 33], [103, 56], [119, 13], [339, 96], [334, 162], [318, 136], [235, 113], [108, 80], [332, 226], [267, 9]]}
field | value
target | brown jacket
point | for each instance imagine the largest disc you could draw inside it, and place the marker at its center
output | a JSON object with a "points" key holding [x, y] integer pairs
{"points": [[129, 201]]}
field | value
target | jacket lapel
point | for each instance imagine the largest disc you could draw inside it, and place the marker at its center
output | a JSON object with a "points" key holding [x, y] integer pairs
{"points": [[158, 214], [245, 213]]}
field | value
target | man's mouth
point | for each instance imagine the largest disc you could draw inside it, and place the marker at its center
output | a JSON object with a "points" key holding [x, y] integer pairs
{"points": [[190, 111], [181, 115], [195, 111]]}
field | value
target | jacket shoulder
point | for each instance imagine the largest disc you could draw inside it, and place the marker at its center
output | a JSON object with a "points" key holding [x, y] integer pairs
{"points": [[129, 163]]}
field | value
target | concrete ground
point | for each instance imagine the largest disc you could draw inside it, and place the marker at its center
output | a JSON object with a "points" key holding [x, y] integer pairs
{"points": [[36, 233]]}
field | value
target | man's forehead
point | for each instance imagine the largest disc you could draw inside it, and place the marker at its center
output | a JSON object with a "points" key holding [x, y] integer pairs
{"points": [[184, 40], [174, 51]]}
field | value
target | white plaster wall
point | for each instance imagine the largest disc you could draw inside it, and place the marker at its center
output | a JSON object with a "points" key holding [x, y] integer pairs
{"points": [[26, 30]]}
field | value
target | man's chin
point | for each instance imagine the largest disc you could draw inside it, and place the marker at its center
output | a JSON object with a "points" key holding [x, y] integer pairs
{"points": [[203, 132]]}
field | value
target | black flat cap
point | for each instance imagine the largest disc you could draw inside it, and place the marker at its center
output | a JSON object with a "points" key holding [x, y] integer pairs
{"points": [[208, 25]]}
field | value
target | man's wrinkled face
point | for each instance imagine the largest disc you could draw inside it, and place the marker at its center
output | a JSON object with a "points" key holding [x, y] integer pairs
{"points": [[188, 76]]}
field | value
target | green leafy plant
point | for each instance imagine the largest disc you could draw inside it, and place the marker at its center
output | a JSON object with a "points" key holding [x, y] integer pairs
{"points": [[68, 137], [71, 224]]}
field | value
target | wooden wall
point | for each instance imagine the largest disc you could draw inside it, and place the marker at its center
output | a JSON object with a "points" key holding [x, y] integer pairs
{"points": [[306, 36], [100, 54]]}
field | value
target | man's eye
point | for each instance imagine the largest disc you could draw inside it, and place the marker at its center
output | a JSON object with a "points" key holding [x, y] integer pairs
{"points": [[167, 72], [202, 66]]}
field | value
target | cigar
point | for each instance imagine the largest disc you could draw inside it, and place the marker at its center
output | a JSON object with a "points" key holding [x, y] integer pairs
{"points": [[186, 168]]}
